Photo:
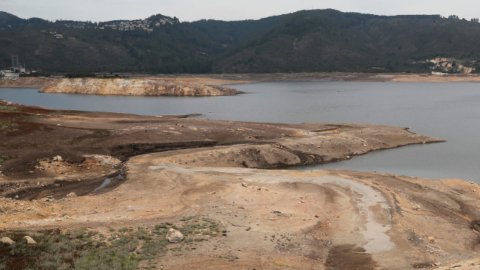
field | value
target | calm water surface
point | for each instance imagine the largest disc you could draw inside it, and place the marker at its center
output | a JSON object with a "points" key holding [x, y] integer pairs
{"points": [[450, 111]]}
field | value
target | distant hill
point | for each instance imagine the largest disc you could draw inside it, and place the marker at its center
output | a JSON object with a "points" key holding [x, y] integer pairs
{"points": [[6, 18], [304, 41], [329, 40]]}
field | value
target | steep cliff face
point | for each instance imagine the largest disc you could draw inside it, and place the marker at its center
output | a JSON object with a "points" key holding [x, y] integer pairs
{"points": [[135, 87]]}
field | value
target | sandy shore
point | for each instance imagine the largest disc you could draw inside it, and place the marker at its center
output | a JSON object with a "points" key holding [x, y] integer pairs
{"points": [[312, 77]]}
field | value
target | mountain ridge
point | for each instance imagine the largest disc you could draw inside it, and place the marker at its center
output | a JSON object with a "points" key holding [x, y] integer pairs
{"points": [[304, 41]]}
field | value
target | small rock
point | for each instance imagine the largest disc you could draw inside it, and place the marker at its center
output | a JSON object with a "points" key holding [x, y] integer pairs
{"points": [[248, 229], [431, 239], [6, 240], [302, 201], [57, 158], [174, 236], [16, 197], [317, 216], [244, 185], [71, 195], [30, 240], [31, 172]]}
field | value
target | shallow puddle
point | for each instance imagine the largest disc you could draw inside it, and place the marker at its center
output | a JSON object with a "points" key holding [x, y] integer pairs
{"points": [[349, 257]]}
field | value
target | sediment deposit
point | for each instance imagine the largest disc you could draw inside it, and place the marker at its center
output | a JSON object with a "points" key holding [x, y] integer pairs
{"points": [[114, 173], [135, 87]]}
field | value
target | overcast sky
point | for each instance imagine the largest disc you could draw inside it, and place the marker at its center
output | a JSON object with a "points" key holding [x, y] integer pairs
{"points": [[189, 10]]}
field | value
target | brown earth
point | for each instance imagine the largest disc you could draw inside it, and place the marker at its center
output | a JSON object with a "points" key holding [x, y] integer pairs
{"points": [[173, 167]]}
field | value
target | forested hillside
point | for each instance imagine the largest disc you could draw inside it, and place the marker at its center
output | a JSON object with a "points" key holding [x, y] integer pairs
{"points": [[305, 41]]}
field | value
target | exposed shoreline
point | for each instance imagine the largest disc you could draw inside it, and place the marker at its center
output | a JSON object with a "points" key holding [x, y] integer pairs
{"points": [[232, 79], [175, 167]]}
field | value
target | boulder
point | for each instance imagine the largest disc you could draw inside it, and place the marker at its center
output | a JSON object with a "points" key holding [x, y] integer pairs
{"points": [[71, 195], [174, 236], [6, 240], [30, 240]]}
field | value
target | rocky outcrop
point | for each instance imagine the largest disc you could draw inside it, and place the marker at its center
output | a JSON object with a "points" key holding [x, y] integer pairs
{"points": [[71, 195], [7, 241], [135, 87], [29, 240], [174, 236]]}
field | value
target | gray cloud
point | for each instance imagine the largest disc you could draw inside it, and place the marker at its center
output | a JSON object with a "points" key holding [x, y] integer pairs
{"points": [[188, 10]]}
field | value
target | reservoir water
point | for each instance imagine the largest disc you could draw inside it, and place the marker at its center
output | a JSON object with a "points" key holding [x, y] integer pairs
{"points": [[449, 111]]}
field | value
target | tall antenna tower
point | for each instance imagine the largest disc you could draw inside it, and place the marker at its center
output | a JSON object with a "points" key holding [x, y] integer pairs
{"points": [[15, 63]]}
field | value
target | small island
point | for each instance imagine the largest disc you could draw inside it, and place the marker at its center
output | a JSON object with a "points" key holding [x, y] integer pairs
{"points": [[135, 87]]}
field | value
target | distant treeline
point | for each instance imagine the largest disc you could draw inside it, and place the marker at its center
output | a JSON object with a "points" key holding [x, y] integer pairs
{"points": [[84, 74]]}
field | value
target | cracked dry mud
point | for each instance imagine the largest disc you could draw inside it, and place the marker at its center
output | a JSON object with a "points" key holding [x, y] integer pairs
{"points": [[177, 167]]}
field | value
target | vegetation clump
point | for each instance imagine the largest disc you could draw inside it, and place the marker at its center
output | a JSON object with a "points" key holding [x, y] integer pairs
{"points": [[88, 249]]}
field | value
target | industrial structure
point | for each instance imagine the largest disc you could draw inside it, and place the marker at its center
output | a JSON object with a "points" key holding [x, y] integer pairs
{"points": [[15, 71]]}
